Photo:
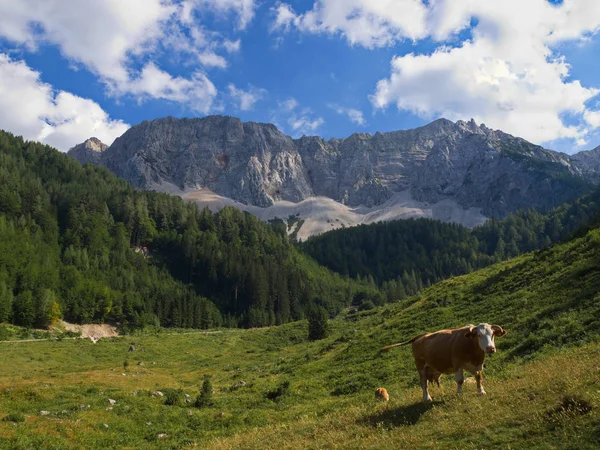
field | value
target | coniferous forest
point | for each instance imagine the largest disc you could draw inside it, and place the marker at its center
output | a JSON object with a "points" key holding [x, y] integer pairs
{"points": [[406, 255], [79, 243]]}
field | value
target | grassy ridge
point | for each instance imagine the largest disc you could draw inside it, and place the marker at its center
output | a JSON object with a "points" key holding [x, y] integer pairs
{"points": [[543, 384]]}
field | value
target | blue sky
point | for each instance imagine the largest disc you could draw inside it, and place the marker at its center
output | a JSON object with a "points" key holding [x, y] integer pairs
{"points": [[70, 69]]}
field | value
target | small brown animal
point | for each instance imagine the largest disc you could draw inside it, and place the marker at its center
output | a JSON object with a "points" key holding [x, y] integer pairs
{"points": [[453, 351], [382, 394]]}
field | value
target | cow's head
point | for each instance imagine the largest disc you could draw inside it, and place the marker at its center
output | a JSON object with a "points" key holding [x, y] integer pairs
{"points": [[485, 333]]}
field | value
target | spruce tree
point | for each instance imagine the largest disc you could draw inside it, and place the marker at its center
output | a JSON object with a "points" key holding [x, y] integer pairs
{"points": [[318, 323], [24, 310], [6, 302], [205, 399]]}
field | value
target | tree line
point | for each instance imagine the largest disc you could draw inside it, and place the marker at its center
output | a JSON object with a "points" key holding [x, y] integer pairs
{"points": [[78, 243], [404, 256]]}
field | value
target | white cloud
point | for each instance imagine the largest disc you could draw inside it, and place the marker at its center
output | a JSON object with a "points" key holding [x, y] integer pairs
{"points": [[98, 34], [111, 37], [371, 23], [31, 108], [198, 91], [305, 124], [301, 121], [508, 73], [245, 100], [285, 17], [354, 115], [592, 118], [232, 46], [243, 9], [289, 105], [210, 59]]}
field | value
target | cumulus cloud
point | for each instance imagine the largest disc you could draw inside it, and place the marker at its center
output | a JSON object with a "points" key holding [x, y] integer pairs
{"points": [[284, 17], [371, 23], [31, 108], [95, 33], [593, 118], [508, 72], [245, 100], [507, 75], [354, 115], [152, 82], [110, 38]]}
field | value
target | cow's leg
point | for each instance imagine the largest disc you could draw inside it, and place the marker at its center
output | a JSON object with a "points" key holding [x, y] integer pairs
{"points": [[460, 378], [479, 379], [423, 375]]}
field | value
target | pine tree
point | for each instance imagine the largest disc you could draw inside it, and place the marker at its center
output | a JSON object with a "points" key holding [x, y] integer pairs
{"points": [[205, 398], [318, 323], [24, 310], [6, 303]]}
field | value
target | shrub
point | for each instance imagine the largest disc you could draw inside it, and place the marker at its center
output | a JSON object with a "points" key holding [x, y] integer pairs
{"points": [[173, 397], [318, 324], [366, 306], [205, 398], [14, 417], [279, 391]]}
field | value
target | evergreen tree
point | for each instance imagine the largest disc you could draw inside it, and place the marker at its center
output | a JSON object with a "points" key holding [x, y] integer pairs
{"points": [[205, 398], [6, 303], [318, 323], [24, 310]]}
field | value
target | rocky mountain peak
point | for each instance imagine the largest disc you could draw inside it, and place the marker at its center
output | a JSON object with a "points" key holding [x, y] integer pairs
{"points": [[256, 164], [89, 151], [94, 144]]}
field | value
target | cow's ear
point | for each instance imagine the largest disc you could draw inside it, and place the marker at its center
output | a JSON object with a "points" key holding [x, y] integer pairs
{"points": [[498, 331], [471, 333]]}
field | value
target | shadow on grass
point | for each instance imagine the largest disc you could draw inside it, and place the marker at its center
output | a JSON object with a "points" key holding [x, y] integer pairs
{"points": [[404, 415]]}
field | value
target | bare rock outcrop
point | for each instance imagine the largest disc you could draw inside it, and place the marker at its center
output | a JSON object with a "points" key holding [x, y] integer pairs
{"points": [[256, 164]]}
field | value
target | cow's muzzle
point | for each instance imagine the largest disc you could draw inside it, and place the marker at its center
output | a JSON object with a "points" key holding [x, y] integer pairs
{"points": [[489, 350]]}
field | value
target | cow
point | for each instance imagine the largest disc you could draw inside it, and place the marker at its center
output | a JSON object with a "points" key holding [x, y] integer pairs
{"points": [[453, 351]]}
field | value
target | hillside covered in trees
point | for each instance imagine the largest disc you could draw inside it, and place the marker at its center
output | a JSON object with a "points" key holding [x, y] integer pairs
{"points": [[404, 256], [79, 243]]}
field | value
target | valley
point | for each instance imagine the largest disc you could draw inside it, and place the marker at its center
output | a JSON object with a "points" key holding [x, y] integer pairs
{"points": [[320, 394], [83, 245], [329, 224]]}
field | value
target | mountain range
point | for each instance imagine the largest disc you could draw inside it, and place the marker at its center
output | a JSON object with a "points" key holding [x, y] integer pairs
{"points": [[453, 171]]}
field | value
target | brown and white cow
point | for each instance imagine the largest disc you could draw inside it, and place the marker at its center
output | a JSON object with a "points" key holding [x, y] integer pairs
{"points": [[453, 351]]}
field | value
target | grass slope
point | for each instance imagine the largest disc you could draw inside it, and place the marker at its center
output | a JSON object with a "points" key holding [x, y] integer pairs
{"points": [[543, 384]]}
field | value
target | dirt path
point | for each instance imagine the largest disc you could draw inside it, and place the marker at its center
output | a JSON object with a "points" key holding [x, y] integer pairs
{"points": [[117, 336]]}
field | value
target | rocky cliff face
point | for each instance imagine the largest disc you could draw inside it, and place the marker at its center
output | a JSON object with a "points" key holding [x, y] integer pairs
{"points": [[256, 164], [89, 151], [589, 163]]}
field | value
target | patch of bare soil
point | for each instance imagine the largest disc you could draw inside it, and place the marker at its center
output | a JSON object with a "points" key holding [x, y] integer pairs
{"points": [[96, 331]]}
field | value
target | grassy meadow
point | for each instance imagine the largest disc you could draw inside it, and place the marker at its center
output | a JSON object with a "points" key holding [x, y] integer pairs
{"points": [[275, 389]]}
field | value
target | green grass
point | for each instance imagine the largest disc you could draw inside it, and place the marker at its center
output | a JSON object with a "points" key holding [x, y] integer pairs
{"points": [[543, 385]]}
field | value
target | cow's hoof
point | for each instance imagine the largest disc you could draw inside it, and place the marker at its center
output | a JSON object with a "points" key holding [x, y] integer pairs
{"points": [[481, 393]]}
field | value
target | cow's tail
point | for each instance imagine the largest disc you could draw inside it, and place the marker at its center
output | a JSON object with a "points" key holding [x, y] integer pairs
{"points": [[387, 347]]}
